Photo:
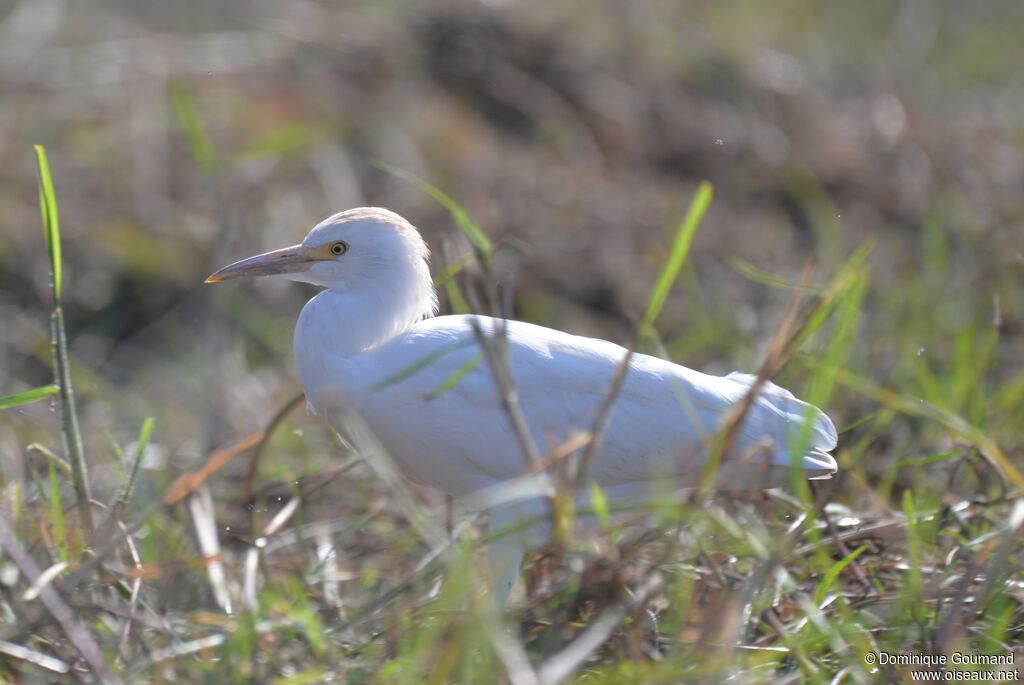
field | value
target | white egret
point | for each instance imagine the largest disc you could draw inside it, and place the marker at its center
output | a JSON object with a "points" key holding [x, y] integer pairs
{"points": [[369, 343]]}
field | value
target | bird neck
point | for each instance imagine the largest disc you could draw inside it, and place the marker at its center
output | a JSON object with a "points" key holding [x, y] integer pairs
{"points": [[347, 321]]}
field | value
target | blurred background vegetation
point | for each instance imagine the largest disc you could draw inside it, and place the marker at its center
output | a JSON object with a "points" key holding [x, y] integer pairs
{"points": [[185, 135]]}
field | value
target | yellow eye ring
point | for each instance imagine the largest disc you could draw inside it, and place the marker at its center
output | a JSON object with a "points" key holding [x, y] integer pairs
{"points": [[339, 248]]}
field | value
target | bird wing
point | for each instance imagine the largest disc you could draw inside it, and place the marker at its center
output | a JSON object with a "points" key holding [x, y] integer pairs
{"points": [[661, 419]]}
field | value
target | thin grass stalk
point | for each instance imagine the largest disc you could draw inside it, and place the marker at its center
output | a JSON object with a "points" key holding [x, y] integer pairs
{"points": [[203, 519], [779, 349], [604, 412], [62, 365], [494, 347], [495, 351], [140, 449], [133, 599], [272, 425], [497, 361], [645, 328], [49, 457], [69, 422]]}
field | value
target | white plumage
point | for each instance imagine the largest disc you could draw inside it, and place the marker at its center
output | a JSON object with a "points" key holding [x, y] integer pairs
{"points": [[369, 343]]}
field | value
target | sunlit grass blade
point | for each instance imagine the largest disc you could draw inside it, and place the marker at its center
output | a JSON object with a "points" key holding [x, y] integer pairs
{"points": [[852, 275], [418, 365], [599, 501], [456, 376], [57, 516], [140, 451], [447, 281], [833, 573], [645, 330], [14, 502], [914, 546], [481, 243], [780, 347], [51, 225], [449, 271], [677, 254], [847, 307], [61, 361], [27, 396], [458, 302]]}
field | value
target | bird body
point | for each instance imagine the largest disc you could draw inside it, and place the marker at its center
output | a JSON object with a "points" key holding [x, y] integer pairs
{"points": [[459, 440], [369, 343]]}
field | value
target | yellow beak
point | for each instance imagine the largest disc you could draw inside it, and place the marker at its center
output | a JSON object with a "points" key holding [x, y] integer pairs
{"points": [[286, 260]]}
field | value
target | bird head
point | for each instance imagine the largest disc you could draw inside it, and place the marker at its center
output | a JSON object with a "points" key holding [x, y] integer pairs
{"points": [[351, 250]]}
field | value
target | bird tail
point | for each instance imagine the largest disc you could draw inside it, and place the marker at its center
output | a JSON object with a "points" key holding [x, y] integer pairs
{"points": [[792, 426]]}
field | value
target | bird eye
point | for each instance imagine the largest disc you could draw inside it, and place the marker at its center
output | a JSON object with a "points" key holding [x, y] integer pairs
{"points": [[339, 248]]}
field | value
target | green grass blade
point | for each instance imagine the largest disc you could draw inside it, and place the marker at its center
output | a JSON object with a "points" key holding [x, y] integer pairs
{"points": [[60, 538], [833, 573], [914, 545], [61, 360], [447, 280], [456, 376], [140, 450], [48, 455], [761, 277], [280, 142], [418, 365], [449, 271], [455, 298], [599, 501], [926, 459], [27, 396], [481, 243], [847, 309], [15, 503], [852, 276], [51, 226], [198, 140], [677, 254]]}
